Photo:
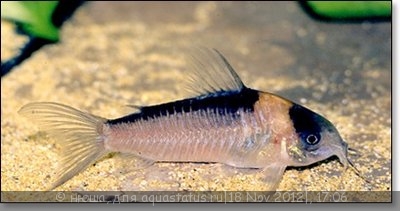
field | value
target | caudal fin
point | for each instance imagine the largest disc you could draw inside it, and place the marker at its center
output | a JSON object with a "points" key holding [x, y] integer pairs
{"points": [[78, 133]]}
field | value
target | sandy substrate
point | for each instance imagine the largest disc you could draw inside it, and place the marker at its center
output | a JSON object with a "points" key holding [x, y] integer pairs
{"points": [[115, 54]]}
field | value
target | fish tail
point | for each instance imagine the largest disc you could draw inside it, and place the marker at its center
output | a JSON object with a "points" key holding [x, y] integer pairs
{"points": [[79, 134]]}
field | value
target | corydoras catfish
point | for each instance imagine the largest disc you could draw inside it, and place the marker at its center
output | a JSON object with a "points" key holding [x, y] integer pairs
{"points": [[226, 122]]}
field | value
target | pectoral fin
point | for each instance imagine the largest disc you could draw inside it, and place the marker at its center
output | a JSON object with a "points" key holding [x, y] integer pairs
{"points": [[273, 175]]}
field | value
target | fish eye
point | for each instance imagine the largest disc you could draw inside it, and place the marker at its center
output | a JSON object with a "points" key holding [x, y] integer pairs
{"points": [[312, 139]]}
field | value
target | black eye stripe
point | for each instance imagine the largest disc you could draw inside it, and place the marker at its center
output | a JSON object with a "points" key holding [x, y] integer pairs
{"points": [[308, 125], [304, 120]]}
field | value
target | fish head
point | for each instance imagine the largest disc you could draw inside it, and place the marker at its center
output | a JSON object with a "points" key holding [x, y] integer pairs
{"points": [[316, 139]]}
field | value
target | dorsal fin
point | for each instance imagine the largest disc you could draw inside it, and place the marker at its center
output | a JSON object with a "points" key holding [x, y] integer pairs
{"points": [[211, 73]]}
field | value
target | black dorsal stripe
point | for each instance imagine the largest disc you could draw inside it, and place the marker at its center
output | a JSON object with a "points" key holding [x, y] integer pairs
{"points": [[221, 102]]}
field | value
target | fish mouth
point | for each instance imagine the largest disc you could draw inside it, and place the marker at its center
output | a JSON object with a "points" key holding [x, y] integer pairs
{"points": [[342, 153]]}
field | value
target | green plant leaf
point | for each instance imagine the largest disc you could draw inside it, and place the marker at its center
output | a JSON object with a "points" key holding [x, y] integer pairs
{"points": [[351, 9], [34, 17]]}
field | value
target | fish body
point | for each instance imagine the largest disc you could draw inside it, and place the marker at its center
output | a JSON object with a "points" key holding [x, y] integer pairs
{"points": [[226, 122], [232, 129]]}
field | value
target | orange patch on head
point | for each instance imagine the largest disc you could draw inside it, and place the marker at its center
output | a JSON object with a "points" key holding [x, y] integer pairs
{"points": [[274, 113]]}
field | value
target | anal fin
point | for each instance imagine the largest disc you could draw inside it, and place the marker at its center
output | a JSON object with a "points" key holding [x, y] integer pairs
{"points": [[127, 162]]}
